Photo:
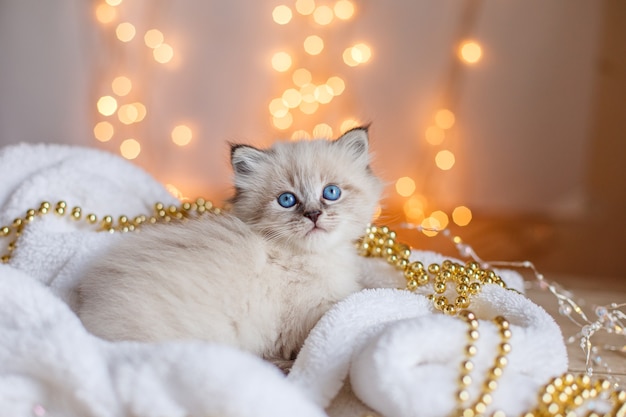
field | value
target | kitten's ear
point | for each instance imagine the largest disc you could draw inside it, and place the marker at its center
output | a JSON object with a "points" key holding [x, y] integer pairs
{"points": [[245, 159], [356, 141]]}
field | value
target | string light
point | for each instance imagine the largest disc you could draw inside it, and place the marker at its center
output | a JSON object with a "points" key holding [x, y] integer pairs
{"points": [[344, 9], [103, 131], [301, 77], [281, 61], [348, 124], [107, 105], [125, 32], [105, 13], [282, 14], [323, 130], [181, 135], [405, 186], [305, 7], [470, 52], [462, 216], [121, 86], [128, 114], [313, 45], [434, 135], [163, 53], [323, 15], [444, 119], [153, 38], [130, 149], [445, 160]]}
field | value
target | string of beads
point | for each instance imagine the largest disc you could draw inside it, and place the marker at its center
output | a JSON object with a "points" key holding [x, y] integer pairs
{"points": [[161, 214], [464, 280]]}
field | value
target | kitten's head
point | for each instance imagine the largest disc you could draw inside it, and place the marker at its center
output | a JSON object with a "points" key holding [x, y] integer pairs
{"points": [[310, 195]]}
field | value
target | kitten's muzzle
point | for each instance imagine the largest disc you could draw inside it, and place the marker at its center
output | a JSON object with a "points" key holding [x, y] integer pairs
{"points": [[313, 215]]}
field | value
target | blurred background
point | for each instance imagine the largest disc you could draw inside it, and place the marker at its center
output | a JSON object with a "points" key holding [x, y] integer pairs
{"points": [[501, 121]]}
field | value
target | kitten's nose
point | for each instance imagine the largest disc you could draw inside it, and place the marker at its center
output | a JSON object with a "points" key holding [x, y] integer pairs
{"points": [[313, 215]]}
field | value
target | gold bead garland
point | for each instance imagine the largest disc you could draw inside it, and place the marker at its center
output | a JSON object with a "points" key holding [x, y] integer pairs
{"points": [[466, 280], [559, 397], [161, 214]]}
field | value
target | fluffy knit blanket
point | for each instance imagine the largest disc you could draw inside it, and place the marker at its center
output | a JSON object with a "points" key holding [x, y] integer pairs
{"points": [[382, 349]]}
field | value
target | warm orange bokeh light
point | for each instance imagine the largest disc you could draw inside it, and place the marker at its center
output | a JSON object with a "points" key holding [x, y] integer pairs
{"points": [[470, 52], [405, 186]]}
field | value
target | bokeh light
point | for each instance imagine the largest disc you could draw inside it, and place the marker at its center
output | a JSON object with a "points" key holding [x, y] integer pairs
{"points": [[301, 77], [305, 7], [300, 135], [153, 38], [125, 32], [282, 14], [313, 45], [130, 148], [445, 160], [278, 108], [105, 13], [283, 122], [163, 53], [405, 186], [322, 130], [103, 131], [323, 15], [128, 114], [462, 216], [444, 118], [348, 124], [181, 135], [470, 52], [281, 61], [107, 105], [434, 135], [336, 84], [292, 98], [121, 85], [344, 9]]}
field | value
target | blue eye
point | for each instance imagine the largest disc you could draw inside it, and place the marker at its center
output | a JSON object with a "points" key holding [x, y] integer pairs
{"points": [[287, 200], [331, 192]]}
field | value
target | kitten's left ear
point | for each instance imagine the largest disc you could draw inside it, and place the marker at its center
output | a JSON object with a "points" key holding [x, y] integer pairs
{"points": [[356, 141], [245, 159]]}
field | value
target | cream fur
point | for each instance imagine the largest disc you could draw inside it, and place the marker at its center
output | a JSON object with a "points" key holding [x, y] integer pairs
{"points": [[258, 278]]}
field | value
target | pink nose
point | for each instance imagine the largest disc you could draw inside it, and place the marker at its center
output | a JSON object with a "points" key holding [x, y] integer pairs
{"points": [[312, 215]]}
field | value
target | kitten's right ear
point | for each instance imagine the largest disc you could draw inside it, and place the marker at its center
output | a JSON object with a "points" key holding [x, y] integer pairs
{"points": [[245, 159]]}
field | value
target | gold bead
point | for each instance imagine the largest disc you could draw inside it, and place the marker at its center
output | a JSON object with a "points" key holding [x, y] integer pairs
{"points": [[107, 220], [501, 361], [412, 285], [468, 315], [466, 380], [480, 407], [463, 280], [490, 385], [186, 206], [449, 309], [433, 268], [5, 259], [471, 350], [474, 288], [422, 279], [62, 204], [92, 218], [122, 220], [472, 265], [17, 223], [468, 412], [473, 334], [461, 302], [440, 287], [4, 231], [76, 213], [463, 395], [44, 205], [158, 207], [441, 302], [504, 348], [506, 334], [467, 366], [402, 263]]}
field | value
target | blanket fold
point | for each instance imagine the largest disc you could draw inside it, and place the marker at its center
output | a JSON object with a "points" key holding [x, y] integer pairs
{"points": [[397, 353]]}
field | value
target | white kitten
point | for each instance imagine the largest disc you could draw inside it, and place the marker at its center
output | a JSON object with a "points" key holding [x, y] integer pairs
{"points": [[258, 278]]}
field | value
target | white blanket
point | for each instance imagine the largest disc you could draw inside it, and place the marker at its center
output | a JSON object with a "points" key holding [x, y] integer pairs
{"points": [[380, 349]]}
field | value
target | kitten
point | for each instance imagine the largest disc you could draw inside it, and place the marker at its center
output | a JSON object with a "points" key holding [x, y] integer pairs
{"points": [[258, 277]]}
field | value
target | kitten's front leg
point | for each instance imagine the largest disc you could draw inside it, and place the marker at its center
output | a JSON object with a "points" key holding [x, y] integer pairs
{"points": [[282, 364]]}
